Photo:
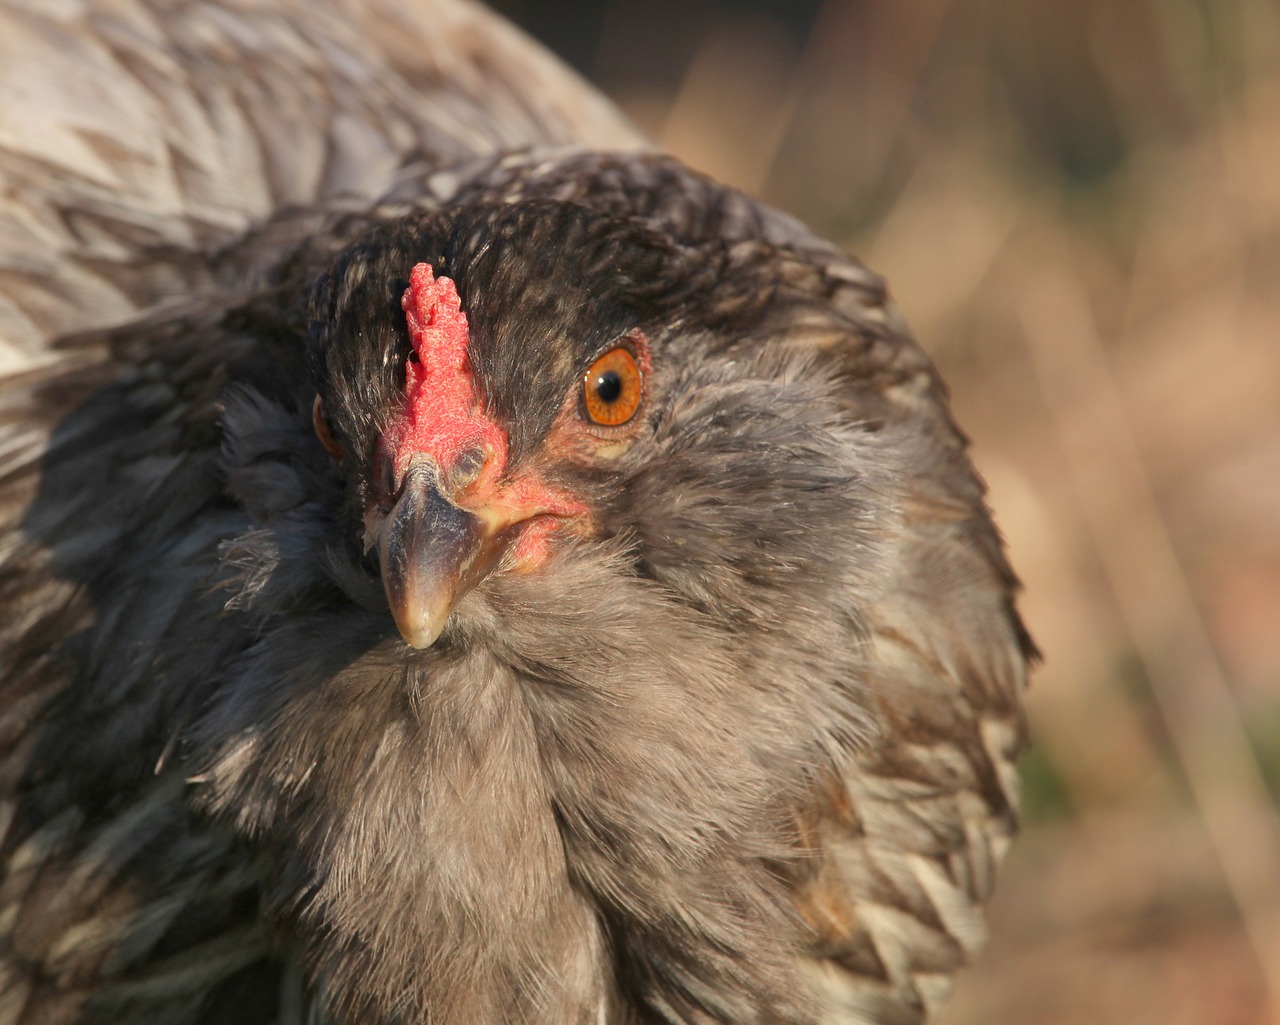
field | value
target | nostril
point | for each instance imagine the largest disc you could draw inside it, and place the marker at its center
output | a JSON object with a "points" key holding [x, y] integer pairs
{"points": [[456, 478], [467, 468]]}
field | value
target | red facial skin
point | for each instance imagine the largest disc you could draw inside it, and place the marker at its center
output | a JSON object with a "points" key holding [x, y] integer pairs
{"points": [[443, 419]]}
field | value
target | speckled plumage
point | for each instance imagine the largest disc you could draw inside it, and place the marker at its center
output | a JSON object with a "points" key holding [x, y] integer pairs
{"points": [[740, 753]]}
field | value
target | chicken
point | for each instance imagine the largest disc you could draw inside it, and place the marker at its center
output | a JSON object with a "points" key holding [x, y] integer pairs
{"points": [[459, 565]]}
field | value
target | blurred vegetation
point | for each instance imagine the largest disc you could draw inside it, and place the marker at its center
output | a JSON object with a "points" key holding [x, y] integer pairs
{"points": [[1077, 205]]}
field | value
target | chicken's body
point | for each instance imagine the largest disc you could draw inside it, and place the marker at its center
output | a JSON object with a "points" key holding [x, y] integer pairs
{"points": [[722, 733]]}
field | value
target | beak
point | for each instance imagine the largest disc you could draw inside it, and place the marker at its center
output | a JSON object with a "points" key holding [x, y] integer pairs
{"points": [[432, 553]]}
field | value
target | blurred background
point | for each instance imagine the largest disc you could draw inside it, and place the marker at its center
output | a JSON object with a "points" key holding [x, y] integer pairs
{"points": [[1077, 205]]}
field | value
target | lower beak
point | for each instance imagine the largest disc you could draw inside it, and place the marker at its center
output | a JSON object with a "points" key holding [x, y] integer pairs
{"points": [[431, 553]]}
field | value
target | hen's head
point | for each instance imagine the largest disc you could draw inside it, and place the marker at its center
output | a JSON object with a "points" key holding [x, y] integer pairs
{"points": [[502, 382]]}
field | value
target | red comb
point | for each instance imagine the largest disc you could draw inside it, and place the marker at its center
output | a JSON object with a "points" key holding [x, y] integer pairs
{"points": [[437, 325], [443, 416]]}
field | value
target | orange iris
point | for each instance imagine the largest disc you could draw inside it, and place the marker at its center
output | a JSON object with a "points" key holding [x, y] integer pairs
{"points": [[612, 388]]}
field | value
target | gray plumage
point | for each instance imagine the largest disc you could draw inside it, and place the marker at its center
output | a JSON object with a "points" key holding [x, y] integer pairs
{"points": [[740, 751]]}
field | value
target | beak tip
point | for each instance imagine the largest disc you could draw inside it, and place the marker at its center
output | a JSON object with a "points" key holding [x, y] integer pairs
{"points": [[421, 632], [421, 640]]}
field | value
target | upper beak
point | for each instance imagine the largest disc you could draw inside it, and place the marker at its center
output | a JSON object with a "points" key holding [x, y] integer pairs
{"points": [[432, 553]]}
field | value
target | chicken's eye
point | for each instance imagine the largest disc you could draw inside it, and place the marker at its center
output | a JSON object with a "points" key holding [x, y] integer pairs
{"points": [[612, 388], [320, 423]]}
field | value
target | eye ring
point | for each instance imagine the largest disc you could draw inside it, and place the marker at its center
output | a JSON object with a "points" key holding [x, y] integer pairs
{"points": [[612, 388]]}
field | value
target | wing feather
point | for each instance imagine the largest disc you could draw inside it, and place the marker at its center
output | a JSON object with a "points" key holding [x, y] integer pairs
{"points": [[907, 839]]}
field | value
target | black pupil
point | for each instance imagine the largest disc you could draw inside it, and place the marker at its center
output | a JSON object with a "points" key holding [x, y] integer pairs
{"points": [[609, 386]]}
